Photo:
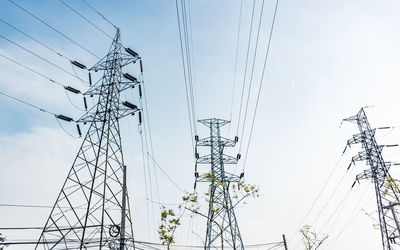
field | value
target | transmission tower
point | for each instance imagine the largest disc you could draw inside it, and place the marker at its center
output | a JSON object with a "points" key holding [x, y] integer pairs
{"points": [[387, 193], [222, 226], [92, 209]]}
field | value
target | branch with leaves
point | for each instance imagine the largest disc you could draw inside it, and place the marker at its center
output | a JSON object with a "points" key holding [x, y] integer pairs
{"points": [[310, 239], [169, 223], [190, 202]]}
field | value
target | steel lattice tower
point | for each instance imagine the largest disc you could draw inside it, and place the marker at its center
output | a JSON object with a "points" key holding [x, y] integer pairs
{"points": [[92, 210], [387, 194], [222, 226]]}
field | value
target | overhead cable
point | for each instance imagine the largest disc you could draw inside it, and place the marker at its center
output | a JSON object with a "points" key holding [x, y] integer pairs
{"points": [[34, 39], [261, 83], [251, 75], [54, 29], [34, 71], [87, 20], [168, 177], [42, 58], [27, 103], [236, 60], [245, 67], [189, 96], [319, 194], [98, 12]]}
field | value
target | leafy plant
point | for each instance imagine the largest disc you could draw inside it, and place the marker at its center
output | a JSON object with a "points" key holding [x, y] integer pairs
{"points": [[310, 239], [190, 202], [169, 223]]}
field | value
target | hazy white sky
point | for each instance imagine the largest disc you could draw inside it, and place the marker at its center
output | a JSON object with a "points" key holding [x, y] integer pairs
{"points": [[327, 59]]}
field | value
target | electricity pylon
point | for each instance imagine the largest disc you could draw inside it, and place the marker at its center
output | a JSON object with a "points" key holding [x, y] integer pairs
{"points": [[386, 189], [222, 226], [92, 210]]}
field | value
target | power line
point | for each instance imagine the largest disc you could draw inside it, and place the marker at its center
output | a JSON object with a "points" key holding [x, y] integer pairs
{"points": [[24, 206], [168, 177], [87, 20], [27, 103], [353, 215], [147, 123], [189, 62], [20, 228], [34, 71], [34, 39], [329, 199], [145, 181], [319, 194], [98, 12], [32, 242], [54, 29], [251, 75], [58, 117], [245, 67], [338, 209], [261, 83], [42, 58], [236, 60], [186, 76]]}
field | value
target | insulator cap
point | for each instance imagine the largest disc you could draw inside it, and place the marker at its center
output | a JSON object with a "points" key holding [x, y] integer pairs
{"points": [[141, 66], [78, 64], [71, 89], [84, 102], [129, 105], [131, 52], [349, 165], [236, 138], [65, 118], [196, 138], [140, 117], [140, 90], [79, 130], [130, 77], [238, 156], [90, 79]]}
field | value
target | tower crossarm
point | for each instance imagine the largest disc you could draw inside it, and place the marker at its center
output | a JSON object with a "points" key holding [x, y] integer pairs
{"points": [[225, 142], [359, 138], [207, 159]]}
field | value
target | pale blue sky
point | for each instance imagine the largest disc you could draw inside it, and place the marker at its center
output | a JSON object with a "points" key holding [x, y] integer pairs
{"points": [[327, 59]]}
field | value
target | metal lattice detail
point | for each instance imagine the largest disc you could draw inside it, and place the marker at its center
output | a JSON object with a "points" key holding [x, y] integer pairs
{"points": [[387, 194], [92, 209], [222, 227]]}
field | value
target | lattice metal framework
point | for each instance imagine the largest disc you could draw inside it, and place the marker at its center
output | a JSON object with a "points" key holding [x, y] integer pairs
{"points": [[92, 210], [387, 194], [222, 226]]}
